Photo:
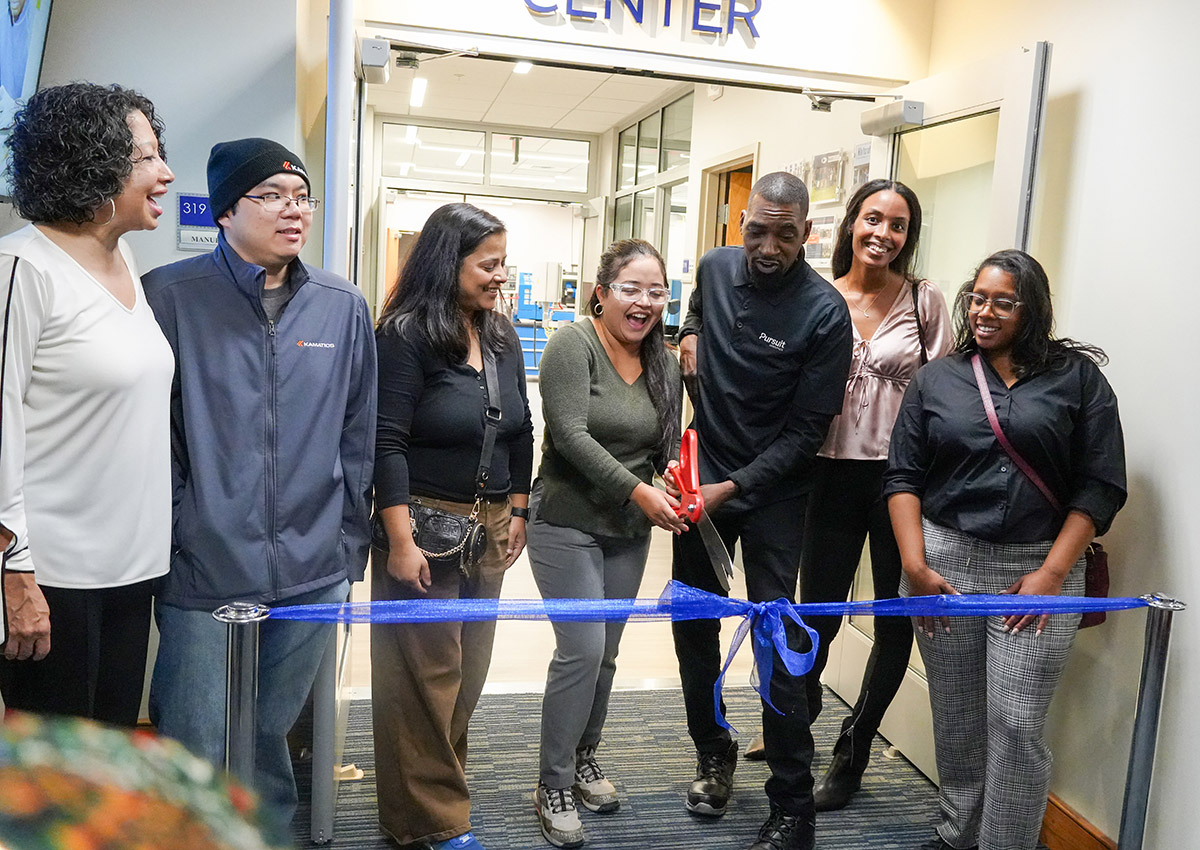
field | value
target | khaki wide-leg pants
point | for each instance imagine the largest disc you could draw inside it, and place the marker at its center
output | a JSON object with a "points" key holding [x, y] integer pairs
{"points": [[425, 681]]}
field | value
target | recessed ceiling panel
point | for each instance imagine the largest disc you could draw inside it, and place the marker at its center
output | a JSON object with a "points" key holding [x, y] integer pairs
{"points": [[462, 88]]}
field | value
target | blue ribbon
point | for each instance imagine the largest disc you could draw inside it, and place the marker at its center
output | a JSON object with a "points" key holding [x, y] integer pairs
{"points": [[765, 622]]}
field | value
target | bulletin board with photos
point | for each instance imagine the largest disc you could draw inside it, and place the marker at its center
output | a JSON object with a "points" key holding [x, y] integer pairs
{"points": [[826, 176]]}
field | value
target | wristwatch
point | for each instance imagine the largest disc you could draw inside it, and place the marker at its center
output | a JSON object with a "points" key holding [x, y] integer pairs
{"points": [[523, 513]]}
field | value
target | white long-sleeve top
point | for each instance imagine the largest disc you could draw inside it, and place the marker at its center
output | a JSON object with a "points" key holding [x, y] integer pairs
{"points": [[85, 453]]}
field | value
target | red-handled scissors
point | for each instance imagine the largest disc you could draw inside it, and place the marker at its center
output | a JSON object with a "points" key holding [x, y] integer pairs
{"points": [[686, 473]]}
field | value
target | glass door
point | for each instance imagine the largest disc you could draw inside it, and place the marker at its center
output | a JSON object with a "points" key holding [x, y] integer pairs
{"points": [[972, 162]]}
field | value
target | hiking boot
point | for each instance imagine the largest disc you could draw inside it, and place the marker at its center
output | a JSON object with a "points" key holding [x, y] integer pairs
{"points": [[786, 832], [709, 793], [591, 787], [559, 819]]}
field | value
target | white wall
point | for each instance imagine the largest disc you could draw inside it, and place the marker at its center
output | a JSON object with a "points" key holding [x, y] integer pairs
{"points": [[311, 51], [537, 232], [1120, 123], [215, 71]]}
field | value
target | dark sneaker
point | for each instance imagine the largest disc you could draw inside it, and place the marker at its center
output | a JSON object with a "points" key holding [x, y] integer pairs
{"points": [[786, 832], [709, 793], [557, 814], [592, 788]]}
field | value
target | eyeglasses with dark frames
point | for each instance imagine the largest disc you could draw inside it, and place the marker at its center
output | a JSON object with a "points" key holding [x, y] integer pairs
{"points": [[274, 202]]}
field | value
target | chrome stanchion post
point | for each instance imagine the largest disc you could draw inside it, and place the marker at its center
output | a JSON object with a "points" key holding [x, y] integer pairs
{"points": [[241, 695], [1145, 723]]}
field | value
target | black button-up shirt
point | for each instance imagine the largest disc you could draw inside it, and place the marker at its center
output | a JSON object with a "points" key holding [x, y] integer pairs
{"points": [[771, 367], [1063, 421]]}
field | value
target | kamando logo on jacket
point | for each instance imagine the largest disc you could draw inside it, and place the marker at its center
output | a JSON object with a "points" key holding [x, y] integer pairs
{"points": [[304, 344]]}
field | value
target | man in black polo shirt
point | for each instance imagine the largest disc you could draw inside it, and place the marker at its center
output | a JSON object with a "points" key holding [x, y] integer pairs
{"points": [[766, 350]]}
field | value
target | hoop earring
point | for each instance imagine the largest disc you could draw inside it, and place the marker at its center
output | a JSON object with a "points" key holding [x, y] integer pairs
{"points": [[111, 215], [598, 309]]}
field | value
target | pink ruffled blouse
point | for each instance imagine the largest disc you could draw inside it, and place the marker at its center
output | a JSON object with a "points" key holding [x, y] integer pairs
{"points": [[882, 367]]}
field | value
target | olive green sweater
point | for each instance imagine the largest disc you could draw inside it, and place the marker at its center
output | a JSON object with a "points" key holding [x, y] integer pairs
{"points": [[601, 436]]}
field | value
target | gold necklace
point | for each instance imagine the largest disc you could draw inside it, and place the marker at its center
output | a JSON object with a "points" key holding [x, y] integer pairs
{"points": [[873, 300]]}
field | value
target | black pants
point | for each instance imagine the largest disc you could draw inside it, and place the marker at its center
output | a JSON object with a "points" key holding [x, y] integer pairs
{"points": [[846, 507], [771, 538], [97, 660]]}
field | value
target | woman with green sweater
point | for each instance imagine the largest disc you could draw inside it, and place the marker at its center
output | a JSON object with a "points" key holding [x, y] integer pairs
{"points": [[611, 394]]}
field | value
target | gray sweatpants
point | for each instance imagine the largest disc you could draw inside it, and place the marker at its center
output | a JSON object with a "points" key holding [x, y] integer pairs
{"points": [[572, 564], [990, 693]]}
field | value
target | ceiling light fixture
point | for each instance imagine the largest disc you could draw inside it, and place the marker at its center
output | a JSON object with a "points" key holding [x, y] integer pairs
{"points": [[410, 134], [522, 67], [417, 98], [462, 159]]}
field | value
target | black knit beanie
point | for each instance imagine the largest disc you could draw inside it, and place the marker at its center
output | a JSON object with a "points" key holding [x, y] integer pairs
{"points": [[235, 168]]}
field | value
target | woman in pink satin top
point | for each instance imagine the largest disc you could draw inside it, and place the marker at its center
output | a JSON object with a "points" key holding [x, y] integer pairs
{"points": [[900, 323]]}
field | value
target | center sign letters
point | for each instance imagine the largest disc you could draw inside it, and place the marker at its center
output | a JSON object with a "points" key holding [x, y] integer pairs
{"points": [[588, 10]]}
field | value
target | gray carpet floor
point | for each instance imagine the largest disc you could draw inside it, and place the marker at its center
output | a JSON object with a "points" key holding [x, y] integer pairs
{"points": [[647, 754]]}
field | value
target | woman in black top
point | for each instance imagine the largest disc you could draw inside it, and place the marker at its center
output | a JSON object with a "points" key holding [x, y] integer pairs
{"points": [[436, 329], [967, 520]]}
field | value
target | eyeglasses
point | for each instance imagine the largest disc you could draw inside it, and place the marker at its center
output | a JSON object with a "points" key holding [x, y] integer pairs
{"points": [[631, 293], [1002, 308], [274, 202]]}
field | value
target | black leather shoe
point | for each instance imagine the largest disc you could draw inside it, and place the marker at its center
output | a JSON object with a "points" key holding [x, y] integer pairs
{"points": [[786, 832], [709, 793], [939, 843], [838, 784]]}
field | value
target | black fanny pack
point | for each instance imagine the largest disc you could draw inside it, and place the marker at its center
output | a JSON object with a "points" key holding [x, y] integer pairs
{"points": [[449, 539]]}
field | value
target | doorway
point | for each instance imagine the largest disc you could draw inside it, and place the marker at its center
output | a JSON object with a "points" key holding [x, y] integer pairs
{"points": [[733, 187]]}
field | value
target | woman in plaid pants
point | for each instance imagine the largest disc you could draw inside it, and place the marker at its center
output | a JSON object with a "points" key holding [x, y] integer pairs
{"points": [[968, 519]]}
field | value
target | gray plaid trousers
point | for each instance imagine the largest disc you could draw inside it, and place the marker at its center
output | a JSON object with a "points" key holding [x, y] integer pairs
{"points": [[990, 692]]}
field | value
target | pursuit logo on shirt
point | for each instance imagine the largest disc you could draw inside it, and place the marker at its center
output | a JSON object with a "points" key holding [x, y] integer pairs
{"points": [[777, 344], [302, 344]]}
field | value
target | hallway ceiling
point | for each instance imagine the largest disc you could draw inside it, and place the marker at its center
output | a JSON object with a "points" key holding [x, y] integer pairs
{"points": [[487, 91]]}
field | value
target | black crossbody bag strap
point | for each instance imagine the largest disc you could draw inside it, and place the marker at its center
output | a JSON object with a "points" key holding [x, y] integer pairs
{"points": [[492, 414], [920, 328]]}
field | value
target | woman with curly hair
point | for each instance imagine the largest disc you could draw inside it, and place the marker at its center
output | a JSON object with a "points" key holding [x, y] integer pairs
{"points": [[85, 476]]}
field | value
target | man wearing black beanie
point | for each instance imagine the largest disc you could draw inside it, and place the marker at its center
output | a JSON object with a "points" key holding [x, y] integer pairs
{"points": [[273, 438]]}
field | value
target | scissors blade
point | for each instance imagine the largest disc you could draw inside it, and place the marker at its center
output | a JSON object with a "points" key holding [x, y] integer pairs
{"points": [[717, 553]]}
